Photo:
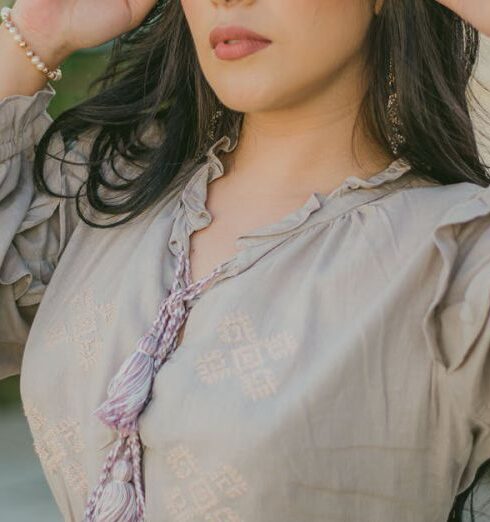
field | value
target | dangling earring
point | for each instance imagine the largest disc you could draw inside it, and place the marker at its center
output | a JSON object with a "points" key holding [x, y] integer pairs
{"points": [[396, 137], [214, 123], [210, 134]]}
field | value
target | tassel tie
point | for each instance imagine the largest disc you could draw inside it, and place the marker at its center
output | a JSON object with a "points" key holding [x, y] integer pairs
{"points": [[119, 494]]}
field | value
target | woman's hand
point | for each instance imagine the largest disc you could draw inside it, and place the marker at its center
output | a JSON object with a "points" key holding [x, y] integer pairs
{"points": [[60, 27], [476, 12]]}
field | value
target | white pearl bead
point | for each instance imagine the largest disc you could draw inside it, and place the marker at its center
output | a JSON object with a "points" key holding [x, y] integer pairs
{"points": [[8, 25], [18, 38], [40, 66], [29, 53], [13, 30], [23, 43], [35, 60]]}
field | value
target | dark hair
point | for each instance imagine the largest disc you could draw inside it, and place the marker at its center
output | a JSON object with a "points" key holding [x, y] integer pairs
{"points": [[153, 78]]}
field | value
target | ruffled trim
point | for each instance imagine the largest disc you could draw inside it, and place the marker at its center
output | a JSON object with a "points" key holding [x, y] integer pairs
{"points": [[28, 263], [27, 275], [395, 170], [194, 194], [451, 328], [223, 144], [22, 119]]}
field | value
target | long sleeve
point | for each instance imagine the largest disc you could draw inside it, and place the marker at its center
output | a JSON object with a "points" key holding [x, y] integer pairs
{"points": [[457, 324], [35, 227]]}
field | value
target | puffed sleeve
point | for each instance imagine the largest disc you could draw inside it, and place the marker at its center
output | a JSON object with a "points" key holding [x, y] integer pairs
{"points": [[34, 227], [457, 322]]}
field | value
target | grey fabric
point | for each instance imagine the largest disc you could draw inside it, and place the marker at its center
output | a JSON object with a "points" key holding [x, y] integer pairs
{"points": [[337, 370]]}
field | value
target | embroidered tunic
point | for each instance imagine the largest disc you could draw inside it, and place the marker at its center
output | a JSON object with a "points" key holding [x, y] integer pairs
{"points": [[337, 369]]}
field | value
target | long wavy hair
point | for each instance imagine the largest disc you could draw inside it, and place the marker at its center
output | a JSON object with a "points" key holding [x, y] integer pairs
{"points": [[153, 80]]}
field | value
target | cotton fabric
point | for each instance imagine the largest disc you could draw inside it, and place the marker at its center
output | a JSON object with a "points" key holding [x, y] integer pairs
{"points": [[336, 370]]}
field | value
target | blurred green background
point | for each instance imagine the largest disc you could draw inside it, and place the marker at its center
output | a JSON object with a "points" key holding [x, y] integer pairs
{"points": [[78, 71]]}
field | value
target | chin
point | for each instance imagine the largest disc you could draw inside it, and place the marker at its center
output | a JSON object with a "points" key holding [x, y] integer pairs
{"points": [[248, 99]]}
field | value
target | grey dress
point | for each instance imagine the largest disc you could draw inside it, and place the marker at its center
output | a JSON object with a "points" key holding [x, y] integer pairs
{"points": [[337, 369]]}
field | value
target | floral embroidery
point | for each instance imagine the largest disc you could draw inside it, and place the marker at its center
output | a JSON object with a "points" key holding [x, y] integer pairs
{"points": [[213, 367], [259, 384], [81, 326], [182, 462], [250, 360], [201, 494], [236, 328], [55, 444]]}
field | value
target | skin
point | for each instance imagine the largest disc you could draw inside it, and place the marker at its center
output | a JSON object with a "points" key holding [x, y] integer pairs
{"points": [[300, 97], [301, 94], [57, 28]]}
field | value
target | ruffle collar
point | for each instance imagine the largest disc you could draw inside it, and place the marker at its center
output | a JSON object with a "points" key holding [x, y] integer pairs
{"points": [[392, 172], [193, 197]]}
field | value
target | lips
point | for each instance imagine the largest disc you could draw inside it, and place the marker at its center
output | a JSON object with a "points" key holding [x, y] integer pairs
{"points": [[233, 32]]}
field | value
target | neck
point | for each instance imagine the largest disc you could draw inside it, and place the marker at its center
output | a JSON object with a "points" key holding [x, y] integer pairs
{"points": [[306, 147]]}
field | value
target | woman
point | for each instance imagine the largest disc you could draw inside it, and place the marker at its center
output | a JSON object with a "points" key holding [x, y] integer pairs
{"points": [[327, 356]]}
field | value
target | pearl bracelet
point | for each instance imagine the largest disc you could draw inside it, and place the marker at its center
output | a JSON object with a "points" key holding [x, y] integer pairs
{"points": [[55, 75]]}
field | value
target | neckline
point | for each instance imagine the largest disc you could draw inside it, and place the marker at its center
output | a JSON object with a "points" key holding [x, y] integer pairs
{"points": [[193, 196]]}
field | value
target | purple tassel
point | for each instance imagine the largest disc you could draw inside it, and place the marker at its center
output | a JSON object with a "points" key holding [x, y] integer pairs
{"points": [[117, 502], [130, 388], [119, 494]]}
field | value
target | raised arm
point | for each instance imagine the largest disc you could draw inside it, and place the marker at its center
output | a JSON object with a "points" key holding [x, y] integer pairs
{"points": [[35, 227], [54, 29]]}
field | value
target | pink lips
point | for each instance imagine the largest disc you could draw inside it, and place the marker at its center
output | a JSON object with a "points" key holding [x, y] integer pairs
{"points": [[248, 42]]}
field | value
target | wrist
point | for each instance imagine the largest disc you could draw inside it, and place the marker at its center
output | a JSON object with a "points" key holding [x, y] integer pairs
{"points": [[45, 46]]}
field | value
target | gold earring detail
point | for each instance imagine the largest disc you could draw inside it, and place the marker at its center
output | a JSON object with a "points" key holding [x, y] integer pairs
{"points": [[215, 120], [396, 136]]}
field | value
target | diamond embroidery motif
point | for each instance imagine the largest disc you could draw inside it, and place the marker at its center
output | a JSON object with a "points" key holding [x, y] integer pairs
{"points": [[56, 443], [81, 327], [200, 495], [249, 360], [213, 367]]}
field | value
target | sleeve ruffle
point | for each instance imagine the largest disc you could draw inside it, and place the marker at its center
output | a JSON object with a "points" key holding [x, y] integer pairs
{"points": [[35, 226], [456, 324], [23, 120], [457, 317]]}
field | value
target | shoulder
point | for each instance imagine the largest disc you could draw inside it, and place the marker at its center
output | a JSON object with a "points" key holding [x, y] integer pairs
{"points": [[442, 232], [456, 247], [422, 211]]}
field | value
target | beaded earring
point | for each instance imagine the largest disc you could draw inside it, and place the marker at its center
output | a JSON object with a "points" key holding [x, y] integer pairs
{"points": [[215, 121], [211, 132], [396, 137]]}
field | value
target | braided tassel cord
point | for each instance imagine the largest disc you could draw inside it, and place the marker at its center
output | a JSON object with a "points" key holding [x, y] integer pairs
{"points": [[119, 494], [117, 501]]}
